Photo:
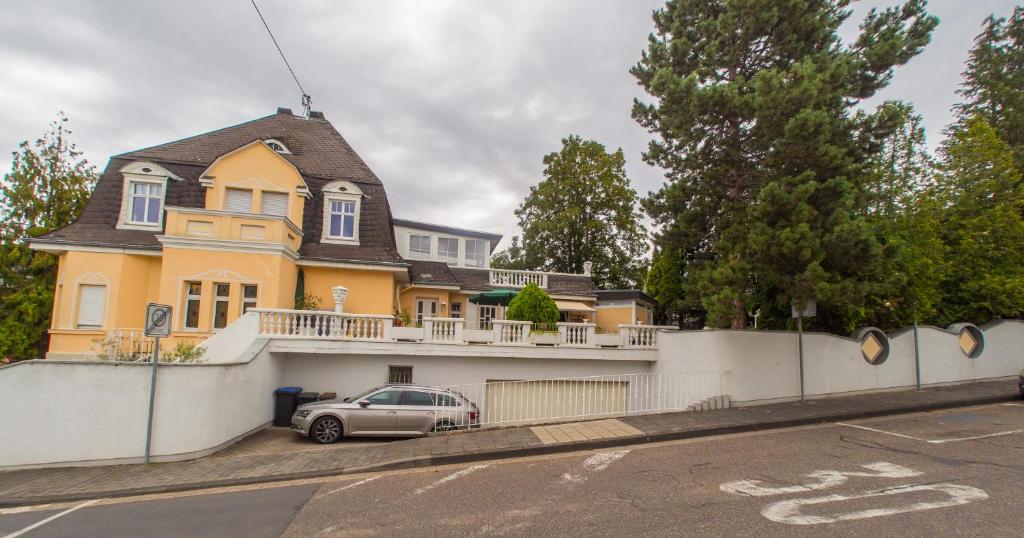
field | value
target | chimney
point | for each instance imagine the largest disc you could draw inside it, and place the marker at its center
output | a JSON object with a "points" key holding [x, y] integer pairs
{"points": [[587, 268], [283, 110], [316, 115]]}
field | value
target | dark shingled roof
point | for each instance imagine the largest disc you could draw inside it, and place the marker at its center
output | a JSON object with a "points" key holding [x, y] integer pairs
{"points": [[612, 295], [435, 273], [318, 151], [492, 237]]}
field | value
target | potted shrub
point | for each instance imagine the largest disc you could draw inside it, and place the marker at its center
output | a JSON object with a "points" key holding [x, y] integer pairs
{"points": [[533, 304]]}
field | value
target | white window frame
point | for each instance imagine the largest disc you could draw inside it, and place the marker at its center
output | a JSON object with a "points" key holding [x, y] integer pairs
{"points": [[287, 202], [284, 148], [131, 202], [418, 254], [252, 198], [245, 301], [217, 299], [447, 257], [142, 172], [483, 260], [186, 297], [78, 306], [341, 191]]}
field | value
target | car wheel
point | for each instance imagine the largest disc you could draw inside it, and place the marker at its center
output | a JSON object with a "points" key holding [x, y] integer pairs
{"points": [[326, 430], [444, 426]]}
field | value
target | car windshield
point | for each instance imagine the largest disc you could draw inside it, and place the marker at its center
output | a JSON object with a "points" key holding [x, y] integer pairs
{"points": [[363, 394]]}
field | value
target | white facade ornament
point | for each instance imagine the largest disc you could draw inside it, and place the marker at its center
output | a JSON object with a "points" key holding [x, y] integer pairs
{"points": [[587, 267], [340, 293]]}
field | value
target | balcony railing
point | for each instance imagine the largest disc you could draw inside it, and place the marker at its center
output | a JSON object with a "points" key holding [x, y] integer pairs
{"points": [[320, 325], [517, 279], [323, 325]]}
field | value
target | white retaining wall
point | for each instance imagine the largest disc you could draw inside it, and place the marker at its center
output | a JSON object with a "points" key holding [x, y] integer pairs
{"points": [[348, 375], [761, 366], [77, 412]]}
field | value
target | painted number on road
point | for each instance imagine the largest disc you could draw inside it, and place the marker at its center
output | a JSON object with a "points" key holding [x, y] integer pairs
{"points": [[789, 511]]}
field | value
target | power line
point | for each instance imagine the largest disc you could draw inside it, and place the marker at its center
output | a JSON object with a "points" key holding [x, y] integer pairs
{"points": [[307, 101]]}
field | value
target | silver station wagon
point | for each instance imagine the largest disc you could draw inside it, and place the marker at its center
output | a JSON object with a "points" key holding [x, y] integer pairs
{"points": [[394, 410]]}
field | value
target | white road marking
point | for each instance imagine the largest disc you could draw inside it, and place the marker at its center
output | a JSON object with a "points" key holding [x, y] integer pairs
{"points": [[349, 486], [932, 441], [51, 518], [595, 464], [1014, 405], [826, 479], [788, 511], [23, 509], [451, 477]]}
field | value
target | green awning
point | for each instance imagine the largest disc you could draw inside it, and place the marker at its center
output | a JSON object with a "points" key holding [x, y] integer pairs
{"points": [[493, 298]]}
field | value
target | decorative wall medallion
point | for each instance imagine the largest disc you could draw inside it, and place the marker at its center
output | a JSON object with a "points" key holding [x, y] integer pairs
{"points": [[970, 338], [874, 345]]}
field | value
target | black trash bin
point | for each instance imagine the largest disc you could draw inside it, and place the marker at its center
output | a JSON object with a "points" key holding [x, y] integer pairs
{"points": [[285, 404], [307, 397]]}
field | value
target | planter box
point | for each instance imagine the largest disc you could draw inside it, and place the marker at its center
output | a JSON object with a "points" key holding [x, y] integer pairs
{"points": [[478, 335], [608, 340], [544, 339], [407, 333]]}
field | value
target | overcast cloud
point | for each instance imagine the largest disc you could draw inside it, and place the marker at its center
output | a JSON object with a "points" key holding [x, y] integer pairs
{"points": [[452, 104]]}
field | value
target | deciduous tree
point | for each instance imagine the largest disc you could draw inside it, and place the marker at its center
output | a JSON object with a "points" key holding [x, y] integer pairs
{"points": [[46, 188]]}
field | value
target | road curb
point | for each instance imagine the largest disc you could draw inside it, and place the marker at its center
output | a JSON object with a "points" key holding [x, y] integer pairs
{"points": [[493, 455]]}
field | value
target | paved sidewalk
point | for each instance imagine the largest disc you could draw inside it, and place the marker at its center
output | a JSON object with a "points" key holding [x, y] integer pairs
{"points": [[244, 466]]}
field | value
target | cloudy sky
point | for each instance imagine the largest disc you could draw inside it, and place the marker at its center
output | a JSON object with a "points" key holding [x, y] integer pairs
{"points": [[452, 103]]}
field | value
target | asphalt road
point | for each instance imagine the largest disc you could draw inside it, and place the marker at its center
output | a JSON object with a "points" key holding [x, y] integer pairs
{"points": [[932, 474]]}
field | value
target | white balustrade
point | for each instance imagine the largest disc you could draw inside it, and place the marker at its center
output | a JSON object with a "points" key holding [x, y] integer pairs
{"points": [[577, 334], [321, 324], [517, 279], [443, 330], [642, 336], [511, 333]]}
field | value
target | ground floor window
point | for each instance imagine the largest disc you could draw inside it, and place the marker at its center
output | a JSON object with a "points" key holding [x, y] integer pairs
{"points": [[425, 308], [193, 295], [487, 314], [248, 297], [399, 375], [222, 293], [92, 306], [456, 310]]}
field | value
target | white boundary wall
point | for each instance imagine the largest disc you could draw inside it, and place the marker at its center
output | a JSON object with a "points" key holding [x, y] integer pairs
{"points": [[763, 366], [77, 412]]}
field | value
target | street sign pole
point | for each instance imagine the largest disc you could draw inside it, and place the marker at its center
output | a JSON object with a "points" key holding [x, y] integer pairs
{"points": [[800, 350], [152, 396], [158, 324]]}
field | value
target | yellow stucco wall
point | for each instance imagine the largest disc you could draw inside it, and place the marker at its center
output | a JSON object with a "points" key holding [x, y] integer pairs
{"points": [[130, 285], [408, 296], [274, 274], [369, 291], [609, 318], [258, 168]]}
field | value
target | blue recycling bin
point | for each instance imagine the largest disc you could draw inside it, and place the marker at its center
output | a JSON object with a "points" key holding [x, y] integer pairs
{"points": [[285, 402]]}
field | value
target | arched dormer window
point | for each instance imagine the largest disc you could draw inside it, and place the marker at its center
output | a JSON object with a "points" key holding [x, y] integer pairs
{"points": [[276, 145], [342, 202], [142, 195]]}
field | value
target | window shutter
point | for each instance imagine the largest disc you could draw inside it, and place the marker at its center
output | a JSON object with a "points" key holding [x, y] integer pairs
{"points": [[274, 203], [238, 200], [92, 303]]}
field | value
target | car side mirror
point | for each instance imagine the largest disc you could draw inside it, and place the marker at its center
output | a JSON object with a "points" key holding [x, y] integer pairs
{"points": [[364, 404]]}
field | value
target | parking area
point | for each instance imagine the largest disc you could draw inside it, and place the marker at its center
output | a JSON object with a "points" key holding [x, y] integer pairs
{"points": [[877, 476], [278, 440]]}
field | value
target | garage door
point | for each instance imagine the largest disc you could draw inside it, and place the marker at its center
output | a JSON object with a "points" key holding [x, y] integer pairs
{"points": [[547, 400]]}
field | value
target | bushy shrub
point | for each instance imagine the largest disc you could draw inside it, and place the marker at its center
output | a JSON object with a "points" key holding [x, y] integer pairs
{"points": [[533, 304], [183, 351]]}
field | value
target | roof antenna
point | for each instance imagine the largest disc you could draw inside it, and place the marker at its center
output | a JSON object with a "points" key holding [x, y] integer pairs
{"points": [[307, 101]]}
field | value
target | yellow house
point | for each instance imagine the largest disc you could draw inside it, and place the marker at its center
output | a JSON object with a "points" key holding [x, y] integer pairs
{"points": [[222, 222], [273, 214]]}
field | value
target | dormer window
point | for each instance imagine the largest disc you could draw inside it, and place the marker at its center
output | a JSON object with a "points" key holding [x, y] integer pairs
{"points": [[342, 201], [276, 145], [146, 202], [142, 196]]}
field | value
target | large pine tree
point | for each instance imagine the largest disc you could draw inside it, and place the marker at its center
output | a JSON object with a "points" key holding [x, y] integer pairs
{"points": [[768, 163], [993, 87]]}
